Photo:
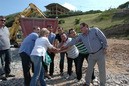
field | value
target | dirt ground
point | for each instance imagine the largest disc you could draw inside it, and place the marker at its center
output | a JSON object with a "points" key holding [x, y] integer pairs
{"points": [[117, 58], [117, 62]]}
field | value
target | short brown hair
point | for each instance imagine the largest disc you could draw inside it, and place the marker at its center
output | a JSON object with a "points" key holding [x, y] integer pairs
{"points": [[36, 27], [2, 17], [70, 30], [60, 28], [84, 24], [49, 26]]}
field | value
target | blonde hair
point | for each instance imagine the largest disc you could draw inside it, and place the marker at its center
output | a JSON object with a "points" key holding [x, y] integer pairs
{"points": [[44, 31]]}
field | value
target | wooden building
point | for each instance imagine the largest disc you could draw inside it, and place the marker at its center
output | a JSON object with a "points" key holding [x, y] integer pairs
{"points": [[56, 9]]}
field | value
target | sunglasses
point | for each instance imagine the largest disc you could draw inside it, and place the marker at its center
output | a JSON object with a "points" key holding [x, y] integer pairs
{"points": [[2, 20]]}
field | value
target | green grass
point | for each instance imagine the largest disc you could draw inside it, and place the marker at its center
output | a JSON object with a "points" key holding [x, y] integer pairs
{"points": [[91, 20], [69, 21]]}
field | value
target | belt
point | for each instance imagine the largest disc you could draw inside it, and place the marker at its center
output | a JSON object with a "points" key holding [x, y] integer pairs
{"points": [[96, 51]]}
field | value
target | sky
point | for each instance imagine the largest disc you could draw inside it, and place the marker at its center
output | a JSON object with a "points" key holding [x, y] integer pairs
{"points": [[8, 7]]}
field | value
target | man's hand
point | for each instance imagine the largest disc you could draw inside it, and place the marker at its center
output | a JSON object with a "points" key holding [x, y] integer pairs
{"points": [[105, 50]]}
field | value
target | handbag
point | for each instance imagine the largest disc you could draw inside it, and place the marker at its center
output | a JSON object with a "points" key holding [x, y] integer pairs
{"points": [[47, 60]]}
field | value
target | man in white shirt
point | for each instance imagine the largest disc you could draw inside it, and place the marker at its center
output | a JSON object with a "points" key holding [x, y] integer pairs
{"points": [[5, 47]]}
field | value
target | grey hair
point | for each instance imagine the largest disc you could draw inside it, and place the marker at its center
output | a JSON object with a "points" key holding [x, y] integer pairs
{"points": [[44, 31]]}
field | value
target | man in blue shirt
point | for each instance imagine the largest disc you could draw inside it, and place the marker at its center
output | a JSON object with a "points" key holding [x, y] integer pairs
{"points": [[25, 51]]}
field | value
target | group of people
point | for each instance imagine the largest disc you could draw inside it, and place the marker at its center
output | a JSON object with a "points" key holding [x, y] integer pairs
{"points": [[96, 45], [41, 41], [90, 44]]}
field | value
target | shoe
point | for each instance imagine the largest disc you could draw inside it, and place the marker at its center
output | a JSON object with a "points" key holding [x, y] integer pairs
{"points": [[9, 75], [70, 77], [67, 77], [47, 76], [85, 84], [49, 85], [3, 78], [95, 82], [76, 80], [51, 74], [61, 73], [79, 81]]}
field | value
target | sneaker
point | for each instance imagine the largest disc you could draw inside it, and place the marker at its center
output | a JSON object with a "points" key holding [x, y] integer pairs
{"points": [[95, 82], [76, 80], [51, 75], [48, 76], [85, 85], [70, 77], [79, 81], [82, 80], [67, 77], [3, 78], [61, 73], [9, 75], [49, 85]]}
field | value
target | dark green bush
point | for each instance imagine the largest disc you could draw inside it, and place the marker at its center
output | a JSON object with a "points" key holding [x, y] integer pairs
{"points": [[77, 21], [61, 21]]}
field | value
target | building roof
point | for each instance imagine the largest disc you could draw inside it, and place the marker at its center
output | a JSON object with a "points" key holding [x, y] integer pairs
{"points": [[56, 4]]}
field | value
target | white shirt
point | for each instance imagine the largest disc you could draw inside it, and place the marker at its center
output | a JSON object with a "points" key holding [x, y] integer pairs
{"points": [[72, 51], [41, 46], [4, 38]]}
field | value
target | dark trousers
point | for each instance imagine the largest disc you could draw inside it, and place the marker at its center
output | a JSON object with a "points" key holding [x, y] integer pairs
{"points": [[26, 65], [70, 62], [61, 65], [80, 64], [51, 69], [5, 56]]}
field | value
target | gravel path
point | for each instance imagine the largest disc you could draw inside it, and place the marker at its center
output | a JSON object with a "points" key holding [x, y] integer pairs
{"points": [[116, 75]]}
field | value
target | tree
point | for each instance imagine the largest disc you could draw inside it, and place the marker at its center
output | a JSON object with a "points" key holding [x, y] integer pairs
{"points": [[125, 5]]}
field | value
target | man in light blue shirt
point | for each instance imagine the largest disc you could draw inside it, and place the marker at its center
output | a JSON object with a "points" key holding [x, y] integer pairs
{"points": [[96, 44], [25, 51]]}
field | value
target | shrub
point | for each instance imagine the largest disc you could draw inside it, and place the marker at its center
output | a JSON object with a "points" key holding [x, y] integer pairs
{"points": [[77, 21], [61, 21]]}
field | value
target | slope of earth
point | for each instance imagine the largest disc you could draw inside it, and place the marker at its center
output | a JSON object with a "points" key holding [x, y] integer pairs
{"points": [[117, 68]]}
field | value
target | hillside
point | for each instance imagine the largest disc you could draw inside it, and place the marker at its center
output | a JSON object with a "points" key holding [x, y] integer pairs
{"points": [[110, 21]]}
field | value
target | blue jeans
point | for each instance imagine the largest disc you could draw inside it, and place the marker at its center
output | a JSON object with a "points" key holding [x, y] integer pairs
{"points": [[38, 71], [5, 56]]}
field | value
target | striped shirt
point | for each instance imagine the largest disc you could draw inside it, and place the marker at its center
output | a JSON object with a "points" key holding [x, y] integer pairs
{"points": [[72, 51], [81, 47], [94, 40]]}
